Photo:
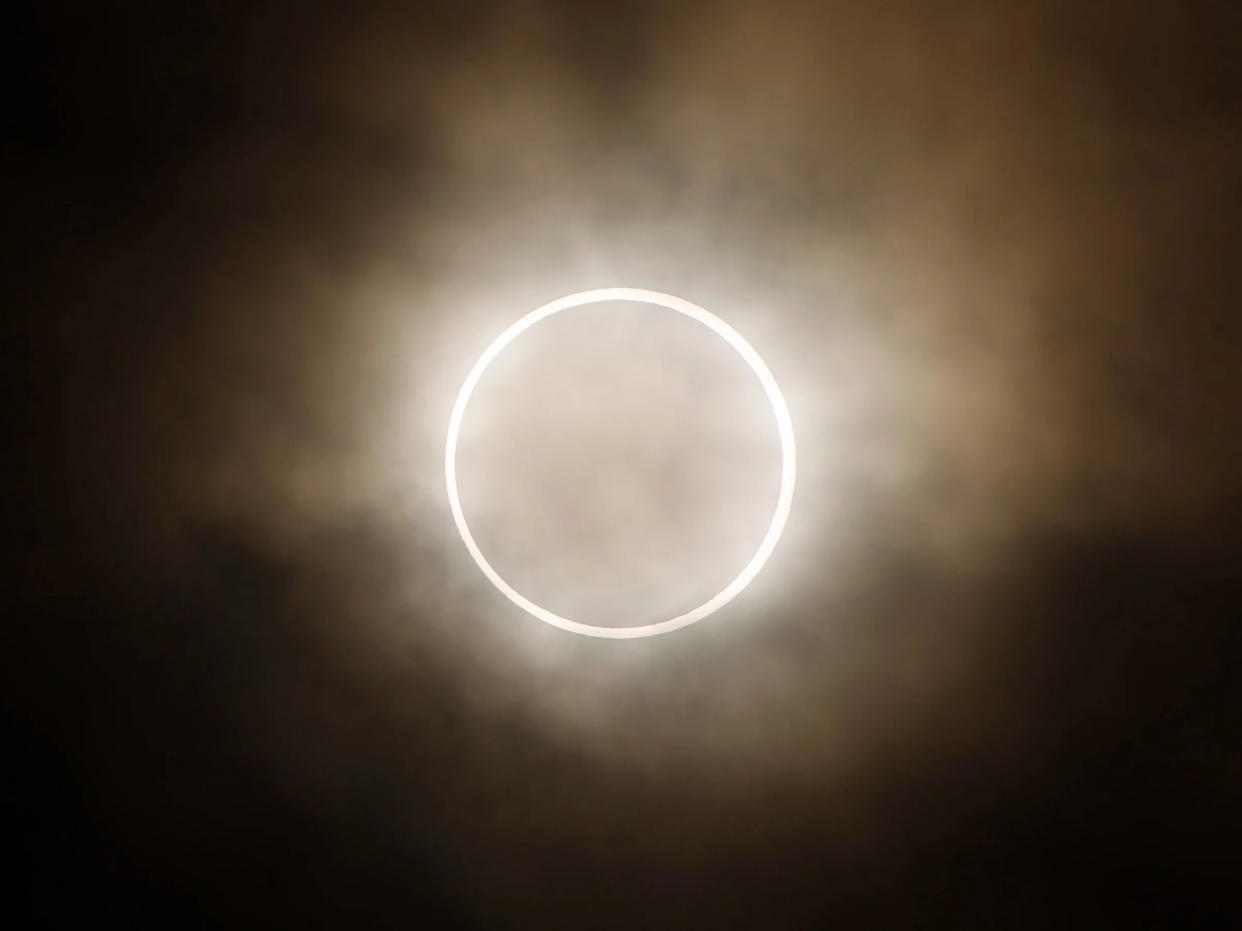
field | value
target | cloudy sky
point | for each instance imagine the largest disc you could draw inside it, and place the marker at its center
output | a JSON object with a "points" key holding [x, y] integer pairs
{"points": [[989, 676]]}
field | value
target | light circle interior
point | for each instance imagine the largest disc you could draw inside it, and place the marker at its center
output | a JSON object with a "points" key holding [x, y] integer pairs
{"points": [[779, 410]]}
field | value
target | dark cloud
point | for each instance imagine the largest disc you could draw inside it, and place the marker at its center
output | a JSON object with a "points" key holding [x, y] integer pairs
{"points": [[987, 249]]}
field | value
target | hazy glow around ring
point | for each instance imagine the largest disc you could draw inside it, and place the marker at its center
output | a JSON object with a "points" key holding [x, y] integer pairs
{"points": [[783, 422]]}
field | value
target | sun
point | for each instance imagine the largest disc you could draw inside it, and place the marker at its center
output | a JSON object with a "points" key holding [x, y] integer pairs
{"points": [[780, 412]]}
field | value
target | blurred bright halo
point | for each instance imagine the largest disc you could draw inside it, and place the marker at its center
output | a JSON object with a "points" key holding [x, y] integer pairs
{"points": [[779, 410]]}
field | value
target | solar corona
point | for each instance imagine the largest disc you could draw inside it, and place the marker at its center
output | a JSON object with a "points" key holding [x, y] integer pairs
{"points": [[779, 411]]}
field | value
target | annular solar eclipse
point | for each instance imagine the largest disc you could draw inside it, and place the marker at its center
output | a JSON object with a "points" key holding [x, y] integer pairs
{"points": [[779, 411]]}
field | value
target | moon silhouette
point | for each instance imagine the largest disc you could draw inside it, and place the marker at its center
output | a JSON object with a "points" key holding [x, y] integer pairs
{"points": [[779, 410]]}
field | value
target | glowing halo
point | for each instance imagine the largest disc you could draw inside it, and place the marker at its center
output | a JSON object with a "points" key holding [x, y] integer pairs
{"points": [[783, 422]]}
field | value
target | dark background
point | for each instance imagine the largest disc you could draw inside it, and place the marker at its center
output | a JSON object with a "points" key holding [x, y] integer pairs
{"points": [[254, 680]]}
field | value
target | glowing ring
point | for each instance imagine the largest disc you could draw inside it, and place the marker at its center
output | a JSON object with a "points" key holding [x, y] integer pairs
{"points": [[783, 423]]}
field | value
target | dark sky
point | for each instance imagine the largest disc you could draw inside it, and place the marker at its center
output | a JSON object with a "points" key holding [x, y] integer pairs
{"points": [[992, 676]]}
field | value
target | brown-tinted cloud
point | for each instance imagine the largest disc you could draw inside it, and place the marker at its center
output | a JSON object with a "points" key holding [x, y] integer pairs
{"points": [[986, 251]]}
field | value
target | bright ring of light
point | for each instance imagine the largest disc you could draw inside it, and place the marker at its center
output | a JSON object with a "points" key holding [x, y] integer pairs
{"points": [[783, 423]]}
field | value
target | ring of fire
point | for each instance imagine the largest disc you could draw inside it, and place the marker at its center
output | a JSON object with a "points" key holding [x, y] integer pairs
{"points": [[779, 410]]}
